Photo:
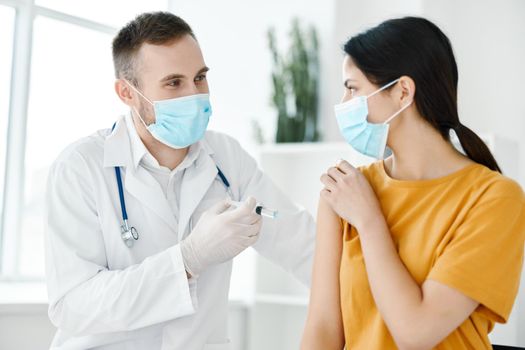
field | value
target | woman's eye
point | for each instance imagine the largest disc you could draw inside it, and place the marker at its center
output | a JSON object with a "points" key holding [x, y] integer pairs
{"points": [[350, 88]]}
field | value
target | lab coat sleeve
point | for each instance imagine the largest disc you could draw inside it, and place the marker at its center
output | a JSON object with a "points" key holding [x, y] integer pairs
{"points": [[84, 296], [288, 240]]}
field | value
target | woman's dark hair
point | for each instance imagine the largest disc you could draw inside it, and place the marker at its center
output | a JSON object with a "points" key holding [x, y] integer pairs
{"points": [[417, 48]]}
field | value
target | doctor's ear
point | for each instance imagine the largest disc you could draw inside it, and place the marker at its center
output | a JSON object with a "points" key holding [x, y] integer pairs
{"points": [[123, 91], [407, 89]]}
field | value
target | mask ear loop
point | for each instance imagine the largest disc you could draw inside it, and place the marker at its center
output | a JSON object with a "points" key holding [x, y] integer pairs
{"points": [[140, 117], [397, 113], [384, 87], [137, 91], [140, 93]]}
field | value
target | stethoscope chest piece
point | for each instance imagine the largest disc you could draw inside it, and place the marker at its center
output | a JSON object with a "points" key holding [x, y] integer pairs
{"points": [[128, 234]]}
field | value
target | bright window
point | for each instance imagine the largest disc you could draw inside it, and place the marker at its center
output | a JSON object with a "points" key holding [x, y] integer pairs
{"points": [[70, 95], [7, 16]]}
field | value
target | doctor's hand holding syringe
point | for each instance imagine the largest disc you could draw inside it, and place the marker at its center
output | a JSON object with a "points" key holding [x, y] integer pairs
{"points": [[222, 234]]}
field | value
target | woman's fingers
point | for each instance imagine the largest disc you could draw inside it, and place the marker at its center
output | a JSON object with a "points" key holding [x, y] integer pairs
{"points": [[345, 167], [329, 183], [335, 174]]}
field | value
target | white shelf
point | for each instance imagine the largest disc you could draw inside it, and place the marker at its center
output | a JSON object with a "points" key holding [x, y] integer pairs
{"points": [[282, 299]]}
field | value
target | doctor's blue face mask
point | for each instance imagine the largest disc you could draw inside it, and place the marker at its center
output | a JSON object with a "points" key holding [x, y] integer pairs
{"points": [[366, 138], [179, 122]]}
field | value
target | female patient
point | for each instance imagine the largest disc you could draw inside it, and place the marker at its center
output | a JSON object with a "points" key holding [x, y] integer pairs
{"points": [[423, 249]]}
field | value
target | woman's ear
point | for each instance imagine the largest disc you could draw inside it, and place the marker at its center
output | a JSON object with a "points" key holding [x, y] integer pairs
{"points": [[407, 90]]}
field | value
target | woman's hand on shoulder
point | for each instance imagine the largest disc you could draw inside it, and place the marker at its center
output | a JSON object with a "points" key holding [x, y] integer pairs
{"points": [[350, 195]]}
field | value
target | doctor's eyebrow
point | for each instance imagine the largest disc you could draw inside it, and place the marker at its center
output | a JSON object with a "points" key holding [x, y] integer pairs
{"points": [[202, 71], [181, 76]]}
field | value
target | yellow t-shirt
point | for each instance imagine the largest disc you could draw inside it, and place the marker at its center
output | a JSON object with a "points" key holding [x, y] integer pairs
{"points": [[465, 230]]}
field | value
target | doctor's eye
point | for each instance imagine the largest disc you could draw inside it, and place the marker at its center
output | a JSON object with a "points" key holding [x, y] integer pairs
{"points": [[200, 78], [175, 83]]}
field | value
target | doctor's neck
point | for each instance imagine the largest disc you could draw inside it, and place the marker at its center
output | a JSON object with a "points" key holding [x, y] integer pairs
{"points": [[166, 156]]}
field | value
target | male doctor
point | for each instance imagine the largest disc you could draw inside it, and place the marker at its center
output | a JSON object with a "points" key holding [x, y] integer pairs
{"points": [[141, 229]]}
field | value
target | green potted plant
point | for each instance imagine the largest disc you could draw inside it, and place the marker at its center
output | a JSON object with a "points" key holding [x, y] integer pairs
{"points": [[295, 82]]}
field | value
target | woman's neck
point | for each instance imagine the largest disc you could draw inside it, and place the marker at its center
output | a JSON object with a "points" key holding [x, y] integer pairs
{"points": [[422, 153]]}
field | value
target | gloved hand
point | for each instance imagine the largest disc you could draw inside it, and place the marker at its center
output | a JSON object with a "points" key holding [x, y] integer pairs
{"points": [[220, 235]]}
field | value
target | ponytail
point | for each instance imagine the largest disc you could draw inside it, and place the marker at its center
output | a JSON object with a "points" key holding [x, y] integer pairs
{"points": [[475, 148]]}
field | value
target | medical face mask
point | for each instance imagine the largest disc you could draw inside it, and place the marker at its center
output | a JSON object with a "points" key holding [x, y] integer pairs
{"points": [[366, 138], [179, 122]]}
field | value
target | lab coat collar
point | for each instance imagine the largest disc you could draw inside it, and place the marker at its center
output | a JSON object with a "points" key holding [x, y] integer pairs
{"points": [[120, 150], [117, 148], [140, 153], [138, 150]]}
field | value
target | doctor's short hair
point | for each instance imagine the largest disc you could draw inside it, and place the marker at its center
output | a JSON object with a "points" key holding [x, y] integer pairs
{"points": [[155, 28]]}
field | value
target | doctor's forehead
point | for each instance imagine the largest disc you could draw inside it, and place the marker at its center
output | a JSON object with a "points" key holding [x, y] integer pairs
{"points": [[182, 56]]}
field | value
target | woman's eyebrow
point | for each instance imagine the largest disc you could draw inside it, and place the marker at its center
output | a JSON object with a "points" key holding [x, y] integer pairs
{"points": [[347, 81]]}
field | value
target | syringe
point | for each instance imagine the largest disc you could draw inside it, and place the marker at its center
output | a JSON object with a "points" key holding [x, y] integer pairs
{"points": [[259, 209]]}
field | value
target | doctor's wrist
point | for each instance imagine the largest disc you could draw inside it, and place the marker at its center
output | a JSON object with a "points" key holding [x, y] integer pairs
{"points": [[189, 259]]}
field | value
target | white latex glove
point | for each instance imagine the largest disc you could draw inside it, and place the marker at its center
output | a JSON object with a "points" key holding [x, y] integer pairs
{"points": [[220, 235]]}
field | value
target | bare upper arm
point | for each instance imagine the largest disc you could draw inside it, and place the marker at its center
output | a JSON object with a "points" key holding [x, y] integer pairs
{"points": [[324, 312], [443, 309], [325, 279]]}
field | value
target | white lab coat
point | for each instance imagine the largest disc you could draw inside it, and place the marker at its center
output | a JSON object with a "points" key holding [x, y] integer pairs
{"points": [[104, 295]]}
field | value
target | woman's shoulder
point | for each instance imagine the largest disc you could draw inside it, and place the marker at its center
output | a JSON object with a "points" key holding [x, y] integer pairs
{"points": [[479, 181], [371, 170], [494, 185]]}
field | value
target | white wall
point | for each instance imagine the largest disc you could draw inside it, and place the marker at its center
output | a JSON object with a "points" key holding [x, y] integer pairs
{"points": [[232, 34], [488, 39]]}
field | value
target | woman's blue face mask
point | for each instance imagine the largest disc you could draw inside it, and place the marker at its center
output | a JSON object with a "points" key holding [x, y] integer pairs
{"points": [[366, 138]]}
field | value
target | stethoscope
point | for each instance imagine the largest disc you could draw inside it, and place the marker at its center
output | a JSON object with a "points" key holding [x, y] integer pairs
{"points": [[129, 234]]}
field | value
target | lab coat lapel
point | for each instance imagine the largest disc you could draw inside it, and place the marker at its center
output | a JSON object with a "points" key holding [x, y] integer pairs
{"points": [[141, 185], [196, 182]]}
